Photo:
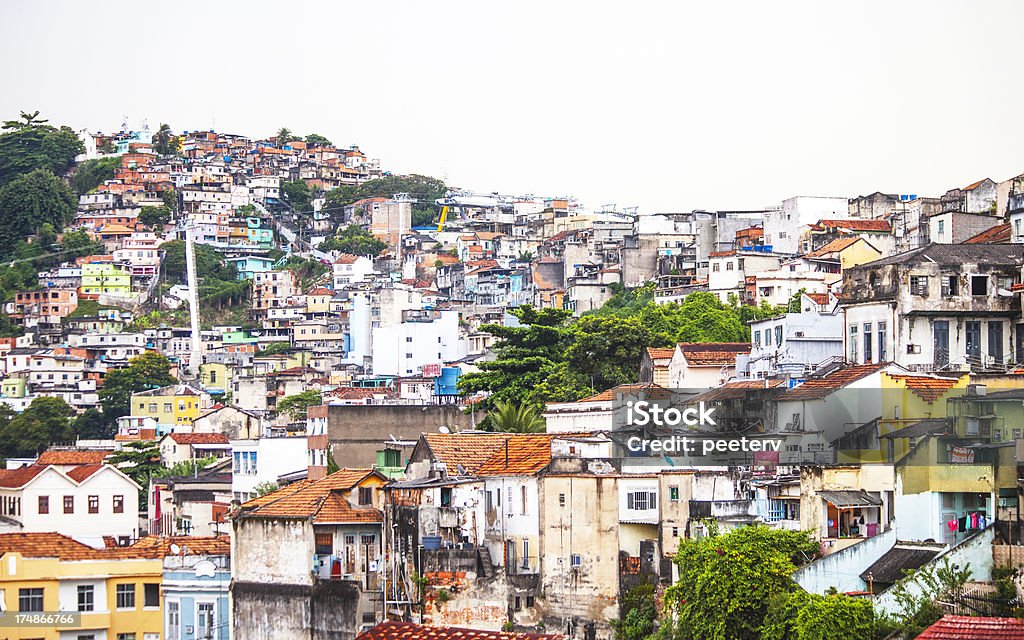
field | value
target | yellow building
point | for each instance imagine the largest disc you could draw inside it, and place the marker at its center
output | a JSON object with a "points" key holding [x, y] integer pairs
{"points": [[215, 375], [116, 591], [175, 405], [104, 277]]}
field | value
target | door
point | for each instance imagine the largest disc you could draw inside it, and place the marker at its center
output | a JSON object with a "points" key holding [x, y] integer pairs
{"points": [[940, 340]]}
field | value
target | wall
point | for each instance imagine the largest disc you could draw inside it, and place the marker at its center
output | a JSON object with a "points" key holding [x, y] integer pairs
{"points": [[285, 611], [842, 569], [975, 552]]}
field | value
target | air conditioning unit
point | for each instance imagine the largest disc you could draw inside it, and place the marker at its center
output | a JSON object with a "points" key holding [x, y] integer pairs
{"points": [[913, 349], [976, 390]]}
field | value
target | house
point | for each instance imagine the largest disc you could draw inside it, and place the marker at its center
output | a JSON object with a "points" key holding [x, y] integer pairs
{"points": [[601, 411], [939, 307], [248, 266], [955, 227], [87, 501], [173, 407], [312, 551], [116, 590], [951, 627], [196, 575], [697, 365], [181, 447], [654, 366], [195, 504], [423, 337], [795, 344], [261, 461], [105, 278]]}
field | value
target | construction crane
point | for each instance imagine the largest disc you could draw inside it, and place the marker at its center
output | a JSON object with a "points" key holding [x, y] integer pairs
{"points": [[444, 216]]}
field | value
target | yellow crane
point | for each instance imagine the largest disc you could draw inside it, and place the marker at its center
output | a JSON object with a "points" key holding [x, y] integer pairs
{"points": [[444, 216]]}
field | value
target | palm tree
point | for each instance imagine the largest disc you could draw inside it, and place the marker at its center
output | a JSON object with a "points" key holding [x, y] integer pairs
{"points": [[284, 136], [512, 418], [164, 140], [28, 120]]}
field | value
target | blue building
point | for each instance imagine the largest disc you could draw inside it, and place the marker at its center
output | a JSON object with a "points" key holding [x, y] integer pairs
{"points": [[247, 266], [197, 574]]}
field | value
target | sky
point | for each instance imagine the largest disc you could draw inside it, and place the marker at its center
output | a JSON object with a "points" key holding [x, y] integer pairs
{"points": [[669, 106]]}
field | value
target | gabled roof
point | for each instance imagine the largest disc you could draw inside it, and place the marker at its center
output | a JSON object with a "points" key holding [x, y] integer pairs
{"points": [[657, 353], [975, 185], [160, 546], [56, 545], [468, 450], [892, 566], [921, 428], [346, 258], [955, 254], [392, 630], [997, 234], [84, 471], [817, 388], [17, 478], [62, 457], [839, 244], [522, 454], [712, 354], [928, 388], [951, 627], [818, 298], [319, 500], [650, 390]]}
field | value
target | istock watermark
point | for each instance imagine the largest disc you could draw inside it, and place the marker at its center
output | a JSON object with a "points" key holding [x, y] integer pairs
{"points": [[701, 446]]}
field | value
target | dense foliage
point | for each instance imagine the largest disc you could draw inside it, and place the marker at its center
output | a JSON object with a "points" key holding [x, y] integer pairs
{"points": [[295, 406], [30, 144], [46, 421], [92, 173], [355, 240], [144, 372], [423, 189], [29, 201]]}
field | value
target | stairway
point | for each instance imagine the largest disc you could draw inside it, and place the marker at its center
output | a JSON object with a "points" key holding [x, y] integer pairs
{"points": [[485, 566]]}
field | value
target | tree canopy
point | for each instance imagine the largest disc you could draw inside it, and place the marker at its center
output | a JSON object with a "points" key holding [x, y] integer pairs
{"points": [[29, 144], [317, 140], [92, 173], [355, 240], [29, 201], [144, 372], [294, 406], [46, 421], [298, 194], [424, 189], [516, 418]]}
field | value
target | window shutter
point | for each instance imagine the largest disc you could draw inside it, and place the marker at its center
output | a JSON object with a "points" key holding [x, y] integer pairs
{"points": [[629, 500]]}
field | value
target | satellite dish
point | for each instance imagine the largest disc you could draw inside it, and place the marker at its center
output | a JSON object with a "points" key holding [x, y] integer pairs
{"points": [[444, 429], [175, 549]]}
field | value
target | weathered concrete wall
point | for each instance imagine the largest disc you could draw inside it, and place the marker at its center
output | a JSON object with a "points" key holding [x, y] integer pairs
{"points": [[323, 611], [842, 569], [975, 552], [266, 551], [458, 598], [356, 432], [579, 517]]}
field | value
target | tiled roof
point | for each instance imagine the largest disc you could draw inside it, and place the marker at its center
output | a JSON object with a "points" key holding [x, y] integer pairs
{"points": [[712, 354], [997, 234], [836, 245], [346, 258], [320, 500], [199, 438], [444, 258], [893, 564], [56, 545], [160, 546], [83, 471], [818, 298], [15, 478], [392, 630], [657, 353], [974, 185], [928, 388], [722, 254], [523, 454], [974, 628], [955, 254], [854, 225], [72, 457], [652, 391], [816, 388], [468, 450], [320, 291], [736, 390]]}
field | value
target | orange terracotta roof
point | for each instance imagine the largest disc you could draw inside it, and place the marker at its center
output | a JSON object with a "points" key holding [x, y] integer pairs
{"points": [[818, 298], [996, 235], [320, 291], [393, 630], [470, 450], [951, 627], [52, 456], [56, 545], [712, 354], [199, 438], [83, 471], [522, 454], [836, 245], [722, 254], [816, 388], [15, 478], [657, 353], [854, 225], [928, 388], [320, 500], [652, 391], [974, 185], [446, 259], [346, 258], [160, 546]]}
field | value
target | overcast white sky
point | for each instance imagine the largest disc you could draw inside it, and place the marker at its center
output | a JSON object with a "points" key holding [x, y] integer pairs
{"points": [[669, 106]]}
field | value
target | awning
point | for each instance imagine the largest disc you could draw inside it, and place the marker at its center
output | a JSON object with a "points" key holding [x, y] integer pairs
{"points": [[848, 499]]}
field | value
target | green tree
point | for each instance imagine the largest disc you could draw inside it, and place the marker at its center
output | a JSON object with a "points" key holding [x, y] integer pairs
{"points": [[30, 144], [170, 199], [297, 194], [294, 406], [799, 615], [30, 200], [265, 487], [727, 580], [94, 425], [154, 217], [607, 349], [209, 263], [79, 243], [92, 173], [164, 141], [425, 190], [46, 421], [284, 136], [515, 418], [638, 623], [917, 604], [317, 140], [355, 240], [144, 372], [140, 461]]}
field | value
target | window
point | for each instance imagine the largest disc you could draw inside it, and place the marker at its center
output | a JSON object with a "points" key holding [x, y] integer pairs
{"points": [[716, 267], [126, 636], [575, 560], [126, 596], [950, 285], [853, 343], [757, 339], [151, 594], [972, 330], [86, 592], [44, 505], [30, 599], [204, 619], [408, 338], [529, 601], [675, 532], [867, 342], [522, 500], [729, 266], [324, 544], [118, 504], [919, 285], [152, 407], [69, 504], [94, 504], [366, 495], [979, 285], [673, 494], [778, 336], [767, 337], [526, 553], [883, 352], [995, 341], [641, 500], [367, 540], [446, 496], [173, 620], [942, 229]]}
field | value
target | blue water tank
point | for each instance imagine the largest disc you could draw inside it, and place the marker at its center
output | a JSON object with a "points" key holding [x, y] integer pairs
{"points": [[447, 383]]}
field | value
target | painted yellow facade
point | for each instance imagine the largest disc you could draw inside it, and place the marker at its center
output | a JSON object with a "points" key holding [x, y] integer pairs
{"points": [[174, 405], [59, 581], [215, 375]]}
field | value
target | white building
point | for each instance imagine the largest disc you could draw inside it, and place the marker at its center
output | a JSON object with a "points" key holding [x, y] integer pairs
{"points": [[422, 338], [783, 227], [265, 460], [797, 341]]}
